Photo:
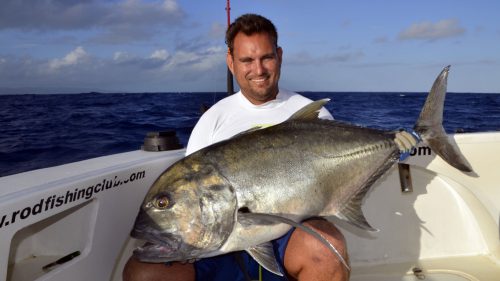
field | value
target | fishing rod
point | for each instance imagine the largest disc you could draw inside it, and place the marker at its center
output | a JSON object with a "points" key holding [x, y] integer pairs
{"points": [[229, 79]]}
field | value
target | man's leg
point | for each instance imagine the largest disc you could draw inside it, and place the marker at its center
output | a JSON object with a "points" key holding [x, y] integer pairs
{"points": [[307, 258], [139, 271]]}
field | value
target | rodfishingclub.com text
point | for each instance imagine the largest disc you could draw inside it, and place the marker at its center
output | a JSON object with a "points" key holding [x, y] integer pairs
{"points": [[57, 200]]}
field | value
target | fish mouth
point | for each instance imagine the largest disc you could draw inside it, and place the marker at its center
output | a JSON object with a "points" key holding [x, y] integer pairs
{"points": [[159, 246], [156, 253], [156, 250]]}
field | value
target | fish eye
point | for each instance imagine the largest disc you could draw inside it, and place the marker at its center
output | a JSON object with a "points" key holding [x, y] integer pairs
{"points": [[162, 202]]}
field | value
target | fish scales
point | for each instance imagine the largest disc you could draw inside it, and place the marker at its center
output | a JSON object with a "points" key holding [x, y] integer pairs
{"points": [[241, 193], [321, 156]]}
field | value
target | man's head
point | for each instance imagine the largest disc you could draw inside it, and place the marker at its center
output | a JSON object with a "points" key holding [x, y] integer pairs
{"points": [[254, 57]]}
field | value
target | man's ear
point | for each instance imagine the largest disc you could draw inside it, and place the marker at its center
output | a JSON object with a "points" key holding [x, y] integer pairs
{"points": [[230, 62]]}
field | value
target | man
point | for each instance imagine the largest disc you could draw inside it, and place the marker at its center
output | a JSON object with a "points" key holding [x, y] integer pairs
{"points": [[255, 59]]}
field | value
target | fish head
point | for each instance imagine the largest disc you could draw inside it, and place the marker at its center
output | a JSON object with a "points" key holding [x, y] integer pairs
{"points": [[188, 213]]}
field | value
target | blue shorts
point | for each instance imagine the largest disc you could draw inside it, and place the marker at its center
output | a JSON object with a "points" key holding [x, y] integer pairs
{"points": [[226, 267]]}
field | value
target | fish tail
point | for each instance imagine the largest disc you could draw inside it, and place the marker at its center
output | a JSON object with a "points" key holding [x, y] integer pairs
{"points": [[429, 125]]}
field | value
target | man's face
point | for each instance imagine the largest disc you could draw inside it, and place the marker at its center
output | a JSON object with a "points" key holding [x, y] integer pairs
{"points": [[256, 64]]}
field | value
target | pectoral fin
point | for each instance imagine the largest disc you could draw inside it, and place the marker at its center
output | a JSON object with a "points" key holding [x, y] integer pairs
{"points": [[248, 219], [264, 255]]}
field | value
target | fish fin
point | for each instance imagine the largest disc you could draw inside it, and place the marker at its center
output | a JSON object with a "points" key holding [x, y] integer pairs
{"points": [[429, 125], [449, 151], [247, 219], [270, 218], [253, 129], [310, 111], [352, 212], [263, 254], [355, 216]]}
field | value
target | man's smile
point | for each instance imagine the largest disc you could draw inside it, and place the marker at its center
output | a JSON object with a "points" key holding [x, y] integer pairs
{"points": [[259, 80]]}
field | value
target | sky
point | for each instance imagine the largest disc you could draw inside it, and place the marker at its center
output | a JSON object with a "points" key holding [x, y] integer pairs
{"points": [[50, 46]]}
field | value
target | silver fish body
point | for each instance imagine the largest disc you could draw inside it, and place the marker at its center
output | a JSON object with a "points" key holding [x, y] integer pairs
{"points": [[299, 169], [302, 168]]}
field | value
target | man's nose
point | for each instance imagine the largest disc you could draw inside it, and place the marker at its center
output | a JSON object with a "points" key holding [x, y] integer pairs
{"points": [[259, 67]]}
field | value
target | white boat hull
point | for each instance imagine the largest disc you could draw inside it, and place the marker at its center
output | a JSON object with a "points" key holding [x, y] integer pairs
{"points": [[447, 228], [35, 233]]}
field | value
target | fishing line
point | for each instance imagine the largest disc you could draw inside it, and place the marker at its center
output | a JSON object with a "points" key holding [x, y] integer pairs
{"points": [[272, 218]]}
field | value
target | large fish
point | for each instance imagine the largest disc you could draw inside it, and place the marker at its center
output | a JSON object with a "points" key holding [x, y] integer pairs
{"points": [[222, 198]]}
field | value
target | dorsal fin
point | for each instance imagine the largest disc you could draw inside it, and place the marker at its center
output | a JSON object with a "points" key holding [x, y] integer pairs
{"points": [[256, 128], [310, 111]]}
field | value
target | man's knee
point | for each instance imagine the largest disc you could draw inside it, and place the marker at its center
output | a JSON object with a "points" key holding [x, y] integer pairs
{"points": [[132, 271], [139, 271], [329, 231], [308, 256]]}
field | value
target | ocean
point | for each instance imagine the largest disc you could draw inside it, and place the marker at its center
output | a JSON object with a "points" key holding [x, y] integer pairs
{"points": [[38, 131]]}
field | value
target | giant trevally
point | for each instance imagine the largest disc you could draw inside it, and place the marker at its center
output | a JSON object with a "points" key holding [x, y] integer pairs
{"points": [[215, 200]]}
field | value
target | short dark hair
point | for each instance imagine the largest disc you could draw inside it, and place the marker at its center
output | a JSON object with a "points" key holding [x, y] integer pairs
{"points": [[250, 24]]}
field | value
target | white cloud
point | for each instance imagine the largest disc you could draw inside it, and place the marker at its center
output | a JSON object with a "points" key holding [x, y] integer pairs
{"points": [[120, 56], [140, 12], [105, 22], [121, 71], [74, 15], [432, 31], [211, 59], [305, 58], [74, 57], [160, 54], [170, 6], [181, 59]]}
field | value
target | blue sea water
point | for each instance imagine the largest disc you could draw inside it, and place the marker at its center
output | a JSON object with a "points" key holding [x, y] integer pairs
{"points": [[38, 131]]}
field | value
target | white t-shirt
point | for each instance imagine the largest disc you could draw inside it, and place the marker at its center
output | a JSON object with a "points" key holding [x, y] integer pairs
{"points": [[235, 114]]}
